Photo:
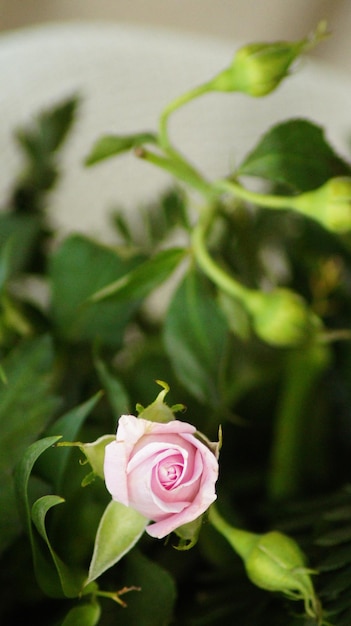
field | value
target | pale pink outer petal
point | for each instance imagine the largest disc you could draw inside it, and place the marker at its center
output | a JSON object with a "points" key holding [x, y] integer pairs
{"points": [[117, 454], [115, 472]]}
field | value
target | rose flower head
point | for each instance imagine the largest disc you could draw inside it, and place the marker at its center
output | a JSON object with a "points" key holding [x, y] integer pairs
{"points": [[164, 470]]}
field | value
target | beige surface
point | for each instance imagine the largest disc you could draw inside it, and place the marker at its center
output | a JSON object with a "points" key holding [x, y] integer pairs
{"points": [[125, 75], [242, 20]]}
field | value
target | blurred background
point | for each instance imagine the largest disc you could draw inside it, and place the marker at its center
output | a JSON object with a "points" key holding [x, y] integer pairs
{"points": [[240, 20], [128, 58]]}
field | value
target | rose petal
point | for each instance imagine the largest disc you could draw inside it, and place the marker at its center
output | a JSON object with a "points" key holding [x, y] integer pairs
{"points": [[206, 495], [115, 473]]}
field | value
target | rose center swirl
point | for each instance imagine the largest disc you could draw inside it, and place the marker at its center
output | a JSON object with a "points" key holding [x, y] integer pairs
{"points": [[170, 471]]}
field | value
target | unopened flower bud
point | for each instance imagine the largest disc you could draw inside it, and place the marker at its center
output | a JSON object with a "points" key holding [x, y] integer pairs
{"points": [[258, 68], [330, 204], [276, 563], [159, 411], [273, 562], [281, 317]]}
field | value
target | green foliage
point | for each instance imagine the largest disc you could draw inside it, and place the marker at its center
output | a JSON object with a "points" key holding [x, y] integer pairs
{"points": [[87, 614], [23, 417], [286, 155], [79, 269], [195, 353], [143, 279], [119, 530], [48, 577], [39, 144], [154, 604], [113, 145]]}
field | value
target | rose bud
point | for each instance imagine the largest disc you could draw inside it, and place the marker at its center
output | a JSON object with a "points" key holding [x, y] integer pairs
{"points": [[273, 561], [165, 471], [276, 563], [281, 317], [258, 68], [330, 205]]}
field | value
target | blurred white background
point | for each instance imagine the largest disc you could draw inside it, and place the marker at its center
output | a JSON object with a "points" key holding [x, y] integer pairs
{"points": [[129, 58], [239, 20]]}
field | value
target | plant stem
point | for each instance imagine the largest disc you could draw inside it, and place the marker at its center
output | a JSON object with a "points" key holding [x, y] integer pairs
{"points": [[179, 168], [219, 276], [302, 370], [269, 201], [241, 541], [173, 106]]}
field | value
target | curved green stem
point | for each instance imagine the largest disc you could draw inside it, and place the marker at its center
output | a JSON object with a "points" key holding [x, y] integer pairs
{"points": [[241, 541], [165, 143], [265, 200], [173, 106], [219, 276], [178, 168]]}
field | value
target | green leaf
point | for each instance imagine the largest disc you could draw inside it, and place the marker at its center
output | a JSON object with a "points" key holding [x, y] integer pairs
{"points": [[53, 465], [78, 269], [296, 154], [119, 529], [154, 604], [39, 143], [49, 130], [195, 334], [23, 416], [71, 581], [18, 233], [335, 537], [113, 145], [87, 614], [143, 279], [45, 572], [116, 392]]}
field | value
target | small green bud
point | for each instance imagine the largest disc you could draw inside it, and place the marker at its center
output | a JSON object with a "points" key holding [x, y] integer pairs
{"points": [[273, 562], [276, 563], [281, 317], [159, 411], [330, 204], [258, 68]]}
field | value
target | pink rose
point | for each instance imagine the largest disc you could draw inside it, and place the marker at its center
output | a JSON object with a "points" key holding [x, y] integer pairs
{"points": [[164, 471]]}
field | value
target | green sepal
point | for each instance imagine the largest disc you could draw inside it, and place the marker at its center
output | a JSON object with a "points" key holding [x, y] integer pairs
{"points": [[94, 453], [188, 534], [159, 411]]}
